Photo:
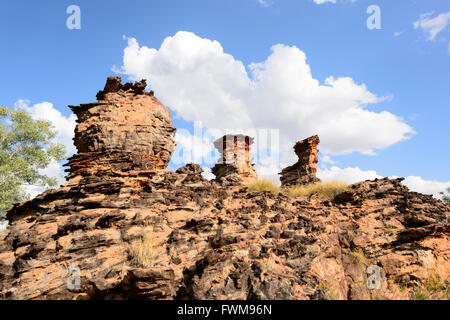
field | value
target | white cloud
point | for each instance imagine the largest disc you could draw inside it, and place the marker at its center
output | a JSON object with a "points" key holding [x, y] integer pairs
{"points": [[349, 175], [355, 174], [398, 33], [432, 26], [65, 126], [54, 170], [418, 184], [193, 149], [327, 159], [265, 3], [207, 174], [197, 79], [324, 1], [3, 225]]}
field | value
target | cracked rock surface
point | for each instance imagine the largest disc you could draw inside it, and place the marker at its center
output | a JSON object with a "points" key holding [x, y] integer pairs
{"points": [[207, 240]]}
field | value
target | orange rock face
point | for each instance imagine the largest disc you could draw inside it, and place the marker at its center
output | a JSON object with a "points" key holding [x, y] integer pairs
{"points": [[127, 132], [235, 164], [304, 171]]}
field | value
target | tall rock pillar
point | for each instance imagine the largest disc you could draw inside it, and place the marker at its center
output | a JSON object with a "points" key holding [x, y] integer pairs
{"points": [[235, 164], [304, 171], [127, 132]]}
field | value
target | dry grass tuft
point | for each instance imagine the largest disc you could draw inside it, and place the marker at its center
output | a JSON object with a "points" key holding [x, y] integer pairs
{"points": [[327, 190], [263, 185], [142, 250]]}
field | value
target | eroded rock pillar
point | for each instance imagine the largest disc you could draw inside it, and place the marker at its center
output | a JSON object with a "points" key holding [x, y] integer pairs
{"points": [[127, 132], [235, 164], [304, 171]]}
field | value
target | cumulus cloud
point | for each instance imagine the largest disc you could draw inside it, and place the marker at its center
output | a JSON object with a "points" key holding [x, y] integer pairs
{"points": [[200, 82], [193, 149], [65, 126], [349, 175], [432, 187], [207, 174], [352, 175], [432, 26]]}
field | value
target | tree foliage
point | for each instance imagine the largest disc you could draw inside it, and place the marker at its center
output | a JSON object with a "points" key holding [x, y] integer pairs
{"points": [[446, 197], [26, 147]]}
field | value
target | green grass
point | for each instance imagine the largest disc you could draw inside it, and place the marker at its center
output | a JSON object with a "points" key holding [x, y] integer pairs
{"points": [[327, 190], [329, 294], [433, 289]]}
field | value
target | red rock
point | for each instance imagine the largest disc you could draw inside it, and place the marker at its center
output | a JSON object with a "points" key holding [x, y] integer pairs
{"points": [[304, 171], [235, 164], [127, 132], [209, 240]]}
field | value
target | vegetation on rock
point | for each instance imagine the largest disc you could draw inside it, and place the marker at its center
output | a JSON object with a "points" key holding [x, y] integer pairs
{"points": [[327, 190], [446, 196]]}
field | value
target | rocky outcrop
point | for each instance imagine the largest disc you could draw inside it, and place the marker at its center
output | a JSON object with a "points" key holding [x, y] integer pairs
{"points": [[304, 171], [127, 132], [235, 164], [207, 240]]}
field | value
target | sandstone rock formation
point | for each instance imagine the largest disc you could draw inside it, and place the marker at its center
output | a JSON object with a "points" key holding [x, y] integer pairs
{"points": [[304, 171], [127, 132], [235, 164], [207, 240]]}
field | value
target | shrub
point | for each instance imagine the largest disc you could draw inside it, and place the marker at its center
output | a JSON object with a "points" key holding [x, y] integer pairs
{"points": [[263, 185], [358, 257], [446, 196], [327, 190], [433, 289], [142, 250]]}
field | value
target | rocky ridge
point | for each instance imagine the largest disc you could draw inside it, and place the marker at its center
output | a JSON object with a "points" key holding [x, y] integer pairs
{"points": [[209, 240]]}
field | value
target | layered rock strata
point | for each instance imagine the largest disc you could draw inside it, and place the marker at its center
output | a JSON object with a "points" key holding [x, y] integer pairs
{"points": [[126, 132], [305, 169], [235, 163], [208, 240]]}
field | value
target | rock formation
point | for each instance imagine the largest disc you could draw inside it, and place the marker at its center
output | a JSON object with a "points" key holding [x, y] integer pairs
{"points": [[126, 132], [235, 163], [304, 171], [207, 240]]}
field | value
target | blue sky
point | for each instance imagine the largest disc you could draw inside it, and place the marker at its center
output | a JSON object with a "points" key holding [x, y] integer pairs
{"points": [[405, 65]]}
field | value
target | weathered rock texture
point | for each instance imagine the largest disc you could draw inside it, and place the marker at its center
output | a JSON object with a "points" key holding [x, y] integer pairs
{"points": [[211, 241], [127, 132], [235, 163], [304, 171]]}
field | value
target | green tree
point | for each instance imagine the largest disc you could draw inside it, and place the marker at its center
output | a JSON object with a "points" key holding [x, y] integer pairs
{"points": [[26, 146], [446, 197]]}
